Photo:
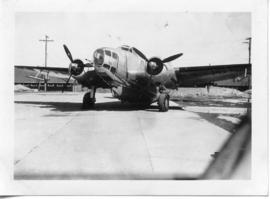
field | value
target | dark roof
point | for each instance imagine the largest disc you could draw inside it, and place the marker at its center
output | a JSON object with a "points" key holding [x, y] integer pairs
{"points": [[55, 69]]}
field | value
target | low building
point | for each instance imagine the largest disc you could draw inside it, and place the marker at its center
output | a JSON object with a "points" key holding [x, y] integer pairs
{"points": [[240, 83], [33, 79]]}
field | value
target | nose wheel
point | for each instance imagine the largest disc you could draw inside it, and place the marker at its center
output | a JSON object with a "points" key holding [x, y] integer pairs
{"points": [[163, 102], [89, 100]]}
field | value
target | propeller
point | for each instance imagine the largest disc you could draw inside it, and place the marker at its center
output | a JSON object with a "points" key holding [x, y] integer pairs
{"points": [[68, 53], [140, 54], [75, 67], [71, 60], [155, 64], [65, 85], [171, 58]]}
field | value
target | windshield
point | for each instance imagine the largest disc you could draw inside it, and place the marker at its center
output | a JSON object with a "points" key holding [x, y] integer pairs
{"points": [[99, 57]]}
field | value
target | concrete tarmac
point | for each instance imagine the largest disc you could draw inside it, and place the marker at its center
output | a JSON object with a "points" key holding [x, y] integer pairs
{"points": [[55, 139]]}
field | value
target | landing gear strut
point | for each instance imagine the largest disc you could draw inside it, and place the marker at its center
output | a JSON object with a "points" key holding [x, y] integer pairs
{"points": [[163, 102], [163, 99], [89, 99]]}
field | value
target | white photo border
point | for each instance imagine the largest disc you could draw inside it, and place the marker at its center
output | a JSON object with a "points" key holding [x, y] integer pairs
{"points": [[258, 185]]}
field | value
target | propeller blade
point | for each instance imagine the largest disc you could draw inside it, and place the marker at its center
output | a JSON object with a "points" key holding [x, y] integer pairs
{"points": [[64, 87], [140, 54], [171, 58], [68, 53]]}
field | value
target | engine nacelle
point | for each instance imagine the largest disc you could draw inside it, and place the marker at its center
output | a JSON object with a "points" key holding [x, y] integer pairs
{"points": [[154, 66], [76, 67]]}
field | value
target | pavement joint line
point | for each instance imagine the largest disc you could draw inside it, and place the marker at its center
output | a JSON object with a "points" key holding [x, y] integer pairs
{"points": [[144, 138], [48, 137]]}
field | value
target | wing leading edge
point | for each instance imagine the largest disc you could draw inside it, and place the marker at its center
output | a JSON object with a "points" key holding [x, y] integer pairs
{"points": [[55, 69], [201, 75]]}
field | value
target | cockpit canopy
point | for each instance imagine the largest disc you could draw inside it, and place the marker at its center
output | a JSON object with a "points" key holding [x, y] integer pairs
{"points": [[107, 58]]}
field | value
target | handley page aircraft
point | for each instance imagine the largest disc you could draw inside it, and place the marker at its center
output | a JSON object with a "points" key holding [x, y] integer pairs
{"points": [[134, 78]]}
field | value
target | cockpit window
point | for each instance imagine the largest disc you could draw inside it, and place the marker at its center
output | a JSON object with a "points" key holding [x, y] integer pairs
{"points": [[114, 55], [113, 70], [106, 66], [99, 57], [107, 52], [125, 48]]}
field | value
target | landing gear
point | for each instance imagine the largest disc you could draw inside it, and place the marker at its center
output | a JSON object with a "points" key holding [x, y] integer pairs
{"points": [[163, 102], [89, 99]]}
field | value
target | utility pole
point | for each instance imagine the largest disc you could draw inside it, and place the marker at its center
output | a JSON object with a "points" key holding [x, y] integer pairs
{"points": [[46, 40], [249, 58], [249, 48]]}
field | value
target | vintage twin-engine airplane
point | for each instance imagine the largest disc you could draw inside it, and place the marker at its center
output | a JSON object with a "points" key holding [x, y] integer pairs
{"points": [[134, 78]]}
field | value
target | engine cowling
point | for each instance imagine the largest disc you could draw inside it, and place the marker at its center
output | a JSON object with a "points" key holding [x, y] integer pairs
{"points": [[76, 67], [154, 66]]}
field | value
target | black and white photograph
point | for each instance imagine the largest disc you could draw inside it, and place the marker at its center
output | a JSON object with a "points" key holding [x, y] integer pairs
{"points": [[159, 102], [103, 96]]}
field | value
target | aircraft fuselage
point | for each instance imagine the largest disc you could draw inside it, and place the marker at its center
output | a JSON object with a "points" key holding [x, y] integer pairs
{"points": [[125, 73]]}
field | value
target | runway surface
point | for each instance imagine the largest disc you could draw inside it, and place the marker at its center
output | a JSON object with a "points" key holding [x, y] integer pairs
{"points": [[55, 139]]}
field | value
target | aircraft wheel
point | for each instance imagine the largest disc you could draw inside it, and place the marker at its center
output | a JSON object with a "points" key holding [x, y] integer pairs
{"points": [[88, 102], [163, 102]]}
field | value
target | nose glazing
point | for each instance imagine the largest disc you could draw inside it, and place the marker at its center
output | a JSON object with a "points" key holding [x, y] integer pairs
{"points": [[99, 57]]}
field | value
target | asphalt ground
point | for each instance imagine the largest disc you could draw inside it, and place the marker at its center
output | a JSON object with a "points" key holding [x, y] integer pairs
{"points": [[56, 139]]}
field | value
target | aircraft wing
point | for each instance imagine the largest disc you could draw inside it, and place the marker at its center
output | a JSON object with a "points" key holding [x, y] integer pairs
{"points": [[55, 69], [37, 72], [90, 78], [202, 75]]}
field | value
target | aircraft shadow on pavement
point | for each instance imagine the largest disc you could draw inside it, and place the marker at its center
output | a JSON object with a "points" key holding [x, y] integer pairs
{"points": [[103, 106]]}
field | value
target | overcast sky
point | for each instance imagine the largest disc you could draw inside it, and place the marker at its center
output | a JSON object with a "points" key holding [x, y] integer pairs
{"points": [[204, 38]]}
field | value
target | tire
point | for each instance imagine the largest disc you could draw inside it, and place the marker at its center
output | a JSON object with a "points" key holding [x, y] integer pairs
{"points": [[88, 102], [163, 102]]}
